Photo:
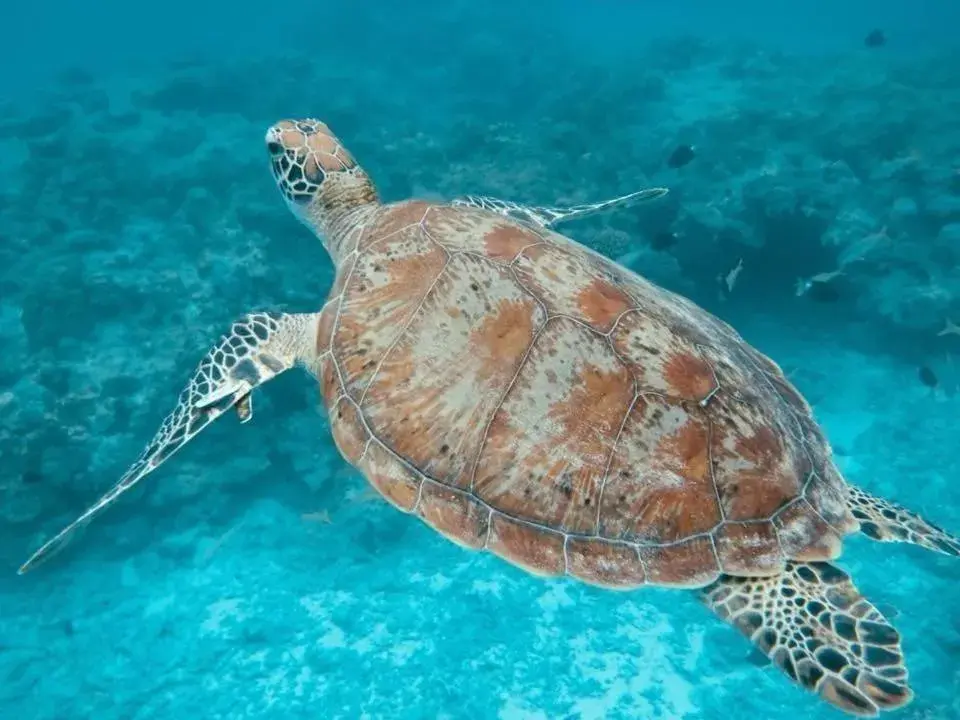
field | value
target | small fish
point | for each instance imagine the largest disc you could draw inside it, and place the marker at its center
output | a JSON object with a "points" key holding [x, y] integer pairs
{"points": [[663, 240], [803, 286], [928, 377], [875, 38], [826, 277], [681, 155], [731, 277], [320, 516], [857, 251], [949, 328]]}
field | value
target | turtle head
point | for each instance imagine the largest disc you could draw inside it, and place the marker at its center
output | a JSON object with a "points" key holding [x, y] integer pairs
{"points": [[321, 182]]}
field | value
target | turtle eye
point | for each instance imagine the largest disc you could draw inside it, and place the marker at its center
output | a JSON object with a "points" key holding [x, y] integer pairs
{"points": [[274, 148]]}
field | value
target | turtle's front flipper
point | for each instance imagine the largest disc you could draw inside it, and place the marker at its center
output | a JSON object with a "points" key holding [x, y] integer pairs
{"points": [[549, 217], [818, 629], [888, 522], [257, 348]]}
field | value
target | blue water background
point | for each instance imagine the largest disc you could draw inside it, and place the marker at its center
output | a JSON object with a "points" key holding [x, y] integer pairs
{"points": [[138, 218]]}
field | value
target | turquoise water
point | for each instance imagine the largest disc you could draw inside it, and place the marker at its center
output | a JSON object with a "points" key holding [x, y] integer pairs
{"points": [[139, 219]]}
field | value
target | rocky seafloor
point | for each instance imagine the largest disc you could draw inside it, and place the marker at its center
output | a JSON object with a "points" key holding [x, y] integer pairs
{"points": [[138, 219]]}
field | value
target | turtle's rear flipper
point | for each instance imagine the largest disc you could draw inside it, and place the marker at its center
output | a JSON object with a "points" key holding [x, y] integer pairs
{"points": [[256, 349], [818, 629], [885, 521], [548, 217]]}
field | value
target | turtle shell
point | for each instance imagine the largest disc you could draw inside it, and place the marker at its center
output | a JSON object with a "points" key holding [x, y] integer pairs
{"points": [[525, 395]]}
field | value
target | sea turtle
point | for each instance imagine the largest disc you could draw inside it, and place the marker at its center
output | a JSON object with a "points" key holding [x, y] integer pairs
{"points": [[524, 395]]}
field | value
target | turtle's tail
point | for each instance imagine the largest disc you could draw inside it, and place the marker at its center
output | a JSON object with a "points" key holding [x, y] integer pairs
{"points": [[885, 521]]}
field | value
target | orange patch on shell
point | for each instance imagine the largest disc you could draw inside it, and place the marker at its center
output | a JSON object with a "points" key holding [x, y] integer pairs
{"points": [[478, 231], [504, 335], [688, 376], [569, 281], [348, 431], [387, 286], [534, 549], [550, 440], [395, 481], [601, 303], [755, 470], [454, 514], [603, 563], [690, 563], [505, 241], [659, 487], [664, 359], [418, 268], [437, 388], [749, 549]]}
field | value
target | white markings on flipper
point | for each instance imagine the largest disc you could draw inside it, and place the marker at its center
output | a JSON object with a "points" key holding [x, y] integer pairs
{"points": [[549, 217], [256, 349]]}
